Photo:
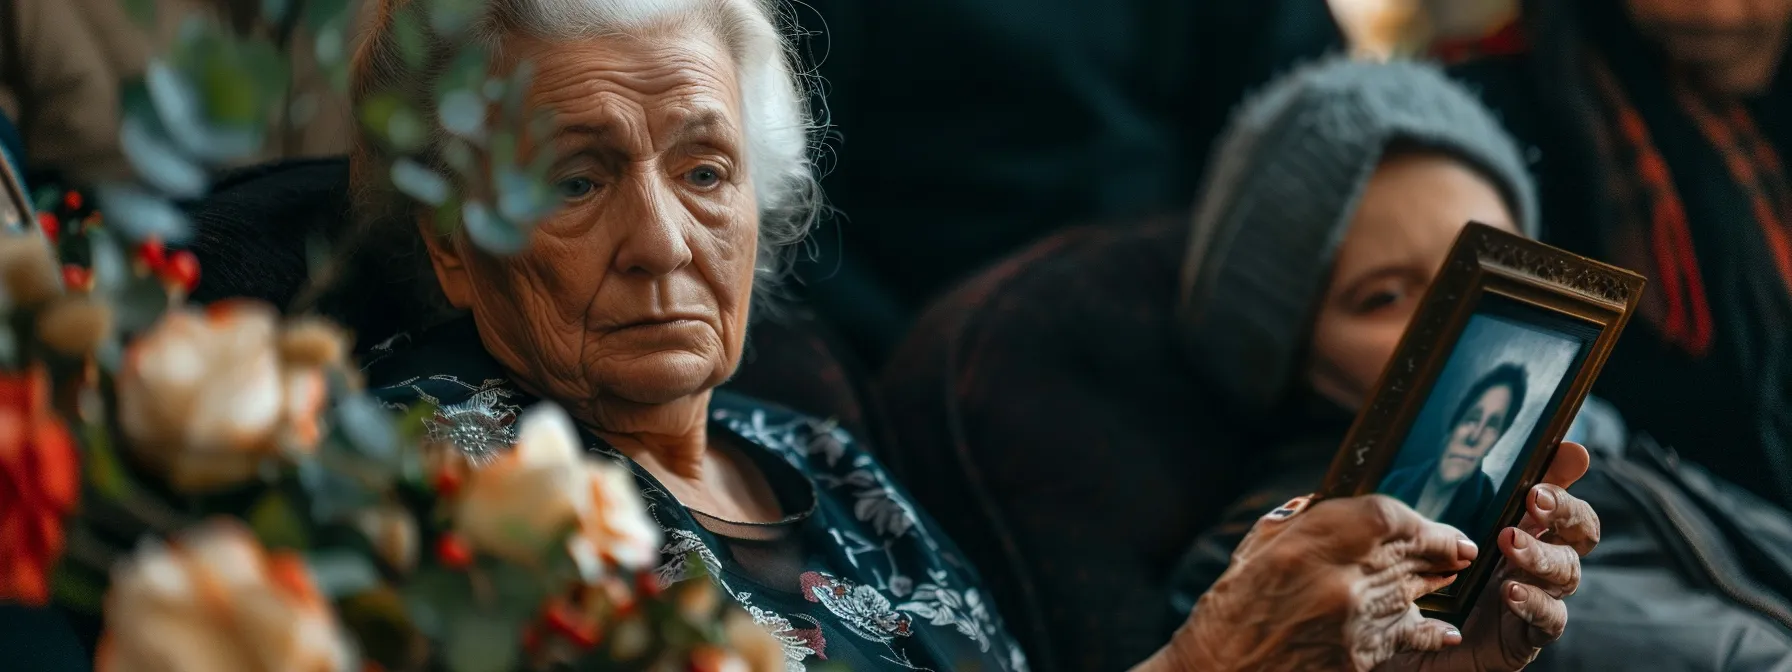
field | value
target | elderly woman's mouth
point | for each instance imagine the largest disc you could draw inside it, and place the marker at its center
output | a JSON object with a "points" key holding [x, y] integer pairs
{"points": [[665, 321]]}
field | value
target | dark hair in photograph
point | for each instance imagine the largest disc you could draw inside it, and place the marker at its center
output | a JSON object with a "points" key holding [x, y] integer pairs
{"points": [[1511, 376]]}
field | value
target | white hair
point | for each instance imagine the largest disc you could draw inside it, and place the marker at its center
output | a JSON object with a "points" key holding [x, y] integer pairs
{"points": [[778, 129]]}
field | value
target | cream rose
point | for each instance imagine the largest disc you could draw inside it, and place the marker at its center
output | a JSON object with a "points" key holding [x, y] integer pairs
{"points": [[545, 493], [206, 397], [216, 601]]}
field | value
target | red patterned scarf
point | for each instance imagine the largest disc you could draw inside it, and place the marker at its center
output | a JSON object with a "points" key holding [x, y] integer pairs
{"points": [[1655, 217]]}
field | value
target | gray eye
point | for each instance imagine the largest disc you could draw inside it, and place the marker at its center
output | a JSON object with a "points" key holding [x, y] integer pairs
{"points": [[704, 176], [575, 187]]}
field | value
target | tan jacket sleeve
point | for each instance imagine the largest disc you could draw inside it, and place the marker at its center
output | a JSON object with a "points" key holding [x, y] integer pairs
{"points": [[63, 95]]}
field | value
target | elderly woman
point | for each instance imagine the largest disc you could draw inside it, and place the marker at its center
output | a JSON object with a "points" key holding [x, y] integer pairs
{"points": [[680, 158]]}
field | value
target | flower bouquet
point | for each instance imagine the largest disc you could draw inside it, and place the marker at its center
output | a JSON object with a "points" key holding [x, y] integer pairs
{"points": [[216, 486]]}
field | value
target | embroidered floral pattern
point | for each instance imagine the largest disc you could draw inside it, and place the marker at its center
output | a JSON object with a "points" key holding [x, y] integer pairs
{"points": [[481, 425], [863, 610], [945, 606], [880, 538]]}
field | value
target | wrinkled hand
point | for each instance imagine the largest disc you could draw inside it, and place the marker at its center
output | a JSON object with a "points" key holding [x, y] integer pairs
{"points": [[1522, 610], [1331, 588]]}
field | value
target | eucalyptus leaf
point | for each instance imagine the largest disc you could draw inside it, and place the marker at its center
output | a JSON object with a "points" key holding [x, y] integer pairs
{"points": [[179, 108], [503, 147], [516, 88], [229, 90], [419, 182], [463, 113], [459, 157], [269, 69], [142, 12], [318, 13], [368, 426], [139, 304], [107, 261], [521, 198], [277, 523], [469, 69], [330, 46], [341, 573], [448, 218], [158, 162], [407, 30], [9, 348], [405, 130], [274, 11], [450, 17], [482, 642], [101, 464], [520, 591], [434, 597], [490, 232], [140, 215]]}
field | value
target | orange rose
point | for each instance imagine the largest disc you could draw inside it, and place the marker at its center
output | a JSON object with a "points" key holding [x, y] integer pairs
{"points": [[39, 484], [216, 601]]}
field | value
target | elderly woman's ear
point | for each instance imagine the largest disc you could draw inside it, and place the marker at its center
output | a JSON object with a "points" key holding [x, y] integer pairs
{"points": [[445, 259]]}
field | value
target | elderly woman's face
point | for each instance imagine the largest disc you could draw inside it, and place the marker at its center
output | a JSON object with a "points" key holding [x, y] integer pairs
{"points": [[637, 289]]}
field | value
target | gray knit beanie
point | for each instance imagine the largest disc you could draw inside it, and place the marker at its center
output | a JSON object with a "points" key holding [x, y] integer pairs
{"points": [[1281, 190]]}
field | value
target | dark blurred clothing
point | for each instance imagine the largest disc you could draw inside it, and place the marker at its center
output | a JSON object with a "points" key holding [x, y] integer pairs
{"points": [[1049, 402], [970, 128], [1707, 367], [1467, 505]]}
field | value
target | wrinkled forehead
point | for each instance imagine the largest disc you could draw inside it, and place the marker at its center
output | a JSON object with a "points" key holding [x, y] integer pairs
{"points": [[674, 82]]}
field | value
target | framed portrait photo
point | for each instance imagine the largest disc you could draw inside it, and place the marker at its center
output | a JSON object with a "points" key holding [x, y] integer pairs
{"points": [[1483, 386]]}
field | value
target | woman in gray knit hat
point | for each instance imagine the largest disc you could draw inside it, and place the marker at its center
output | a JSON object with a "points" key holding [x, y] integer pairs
{"points": [[1109, 391]]}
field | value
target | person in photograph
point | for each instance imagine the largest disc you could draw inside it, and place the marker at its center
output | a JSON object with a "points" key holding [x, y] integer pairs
{"points": [[1452, 488]]}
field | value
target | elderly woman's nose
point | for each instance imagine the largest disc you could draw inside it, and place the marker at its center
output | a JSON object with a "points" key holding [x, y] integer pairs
{"points": [[654, 241]]}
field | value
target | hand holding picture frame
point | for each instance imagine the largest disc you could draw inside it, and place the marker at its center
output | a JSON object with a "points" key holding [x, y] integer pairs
{"points": [[1483, 386]]}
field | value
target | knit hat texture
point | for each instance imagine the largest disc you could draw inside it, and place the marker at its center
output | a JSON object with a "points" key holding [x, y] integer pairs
{"points": [[1279, 195]]}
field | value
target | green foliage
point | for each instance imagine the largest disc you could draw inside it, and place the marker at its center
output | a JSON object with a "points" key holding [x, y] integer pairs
{"points": [[278, 523]]}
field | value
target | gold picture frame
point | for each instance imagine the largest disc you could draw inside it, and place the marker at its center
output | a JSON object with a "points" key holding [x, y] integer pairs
{"points": [[1497, 283]]}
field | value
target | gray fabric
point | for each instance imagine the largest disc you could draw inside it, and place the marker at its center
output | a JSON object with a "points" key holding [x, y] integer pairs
{"points": [[1283, 184]]}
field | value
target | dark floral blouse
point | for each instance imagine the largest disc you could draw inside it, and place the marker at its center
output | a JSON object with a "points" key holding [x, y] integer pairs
{"points": [[854, 576]]}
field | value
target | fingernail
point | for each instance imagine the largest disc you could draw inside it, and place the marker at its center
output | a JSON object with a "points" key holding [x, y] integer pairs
{"points": [[1515, 593], [1520, 540], [1452, 637], [1546, 500], [1467, 550]]}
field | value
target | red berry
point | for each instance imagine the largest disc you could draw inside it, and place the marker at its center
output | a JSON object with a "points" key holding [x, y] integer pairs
{"points": [[151, 253], [447, 482], [75, 277], [453, 552], [51, 226], [72, 200], [571, 628], [648, 585], [182, 268]]}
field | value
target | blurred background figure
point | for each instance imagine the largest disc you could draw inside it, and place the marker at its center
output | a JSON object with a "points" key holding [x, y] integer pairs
{"points": [[1658, 130], [61, 63]]}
